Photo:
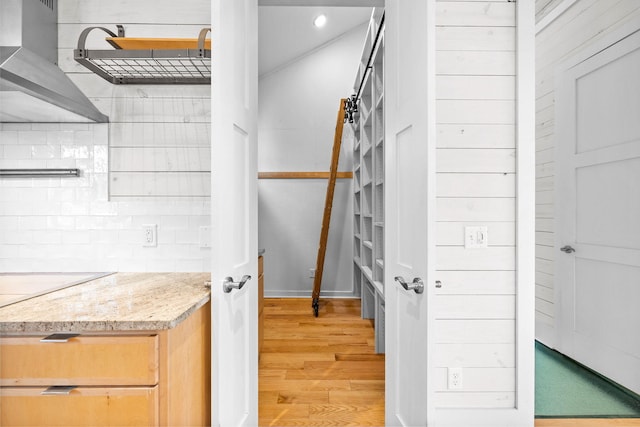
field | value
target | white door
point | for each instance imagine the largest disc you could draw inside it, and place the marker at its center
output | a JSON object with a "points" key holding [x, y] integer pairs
{"points": [[598, 211], [234, 344], [409, 208]]}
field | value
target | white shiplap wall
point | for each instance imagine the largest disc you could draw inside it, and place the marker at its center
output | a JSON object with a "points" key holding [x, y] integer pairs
{"points": [[476, 166], [159, 137], [583, 23]]}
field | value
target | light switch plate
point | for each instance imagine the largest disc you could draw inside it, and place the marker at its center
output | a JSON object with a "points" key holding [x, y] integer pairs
{"points": [[205, 236], [476, 237]]}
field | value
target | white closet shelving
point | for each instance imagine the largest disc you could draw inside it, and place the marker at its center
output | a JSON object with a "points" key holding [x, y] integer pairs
{"points": [[368, 129]]}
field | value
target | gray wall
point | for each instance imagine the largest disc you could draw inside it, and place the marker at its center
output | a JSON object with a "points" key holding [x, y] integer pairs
{"points": [[297, 117]]}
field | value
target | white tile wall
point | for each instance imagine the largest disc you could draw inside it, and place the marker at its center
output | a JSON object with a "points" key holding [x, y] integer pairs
{"points": [[69, 224]]}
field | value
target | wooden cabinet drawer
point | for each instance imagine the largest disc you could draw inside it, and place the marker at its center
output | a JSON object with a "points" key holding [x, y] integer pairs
{"points": [[83, 360], [94, 406]]}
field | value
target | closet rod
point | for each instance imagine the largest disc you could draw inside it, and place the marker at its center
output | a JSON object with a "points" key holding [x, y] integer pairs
{"points": [[38, 173], [373, 48]]}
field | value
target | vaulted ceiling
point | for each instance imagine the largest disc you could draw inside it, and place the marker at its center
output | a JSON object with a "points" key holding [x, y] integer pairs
{"points": [[287, 32]]}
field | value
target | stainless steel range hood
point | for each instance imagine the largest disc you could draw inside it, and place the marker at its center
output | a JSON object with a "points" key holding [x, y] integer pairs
{"points": [[32, 87]]}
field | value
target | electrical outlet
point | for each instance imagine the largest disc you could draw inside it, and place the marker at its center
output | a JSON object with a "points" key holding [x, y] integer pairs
{"points": [[312, 273], [454, 380], [150, 235]]}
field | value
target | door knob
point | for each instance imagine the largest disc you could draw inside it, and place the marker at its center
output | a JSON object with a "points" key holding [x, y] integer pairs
{"points": [[417, 286], [228, 285], [568, 249]]}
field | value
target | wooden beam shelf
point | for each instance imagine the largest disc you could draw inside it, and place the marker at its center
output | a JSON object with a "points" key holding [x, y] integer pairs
{"points": [[302, 175]]}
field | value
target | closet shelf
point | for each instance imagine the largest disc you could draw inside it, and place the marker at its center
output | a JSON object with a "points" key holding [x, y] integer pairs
{"points": [[148, 60]]}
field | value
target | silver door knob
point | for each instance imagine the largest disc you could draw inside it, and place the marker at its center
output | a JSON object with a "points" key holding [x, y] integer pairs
{"points": [[416, 286], [568, 249], [228, 285]]}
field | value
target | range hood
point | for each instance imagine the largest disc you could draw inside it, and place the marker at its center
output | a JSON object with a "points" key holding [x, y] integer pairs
{"points": [[32, 87]]}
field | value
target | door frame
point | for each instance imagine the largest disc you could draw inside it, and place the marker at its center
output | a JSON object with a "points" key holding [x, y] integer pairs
{"points": [[523, 413]]}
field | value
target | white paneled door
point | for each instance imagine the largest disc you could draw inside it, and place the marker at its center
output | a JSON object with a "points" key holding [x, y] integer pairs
{"points": [[598, 207], [409, 209], [234, 352]]}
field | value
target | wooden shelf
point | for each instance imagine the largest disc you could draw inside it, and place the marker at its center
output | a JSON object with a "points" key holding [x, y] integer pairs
{"points": [[141, 43], [302, 175]]}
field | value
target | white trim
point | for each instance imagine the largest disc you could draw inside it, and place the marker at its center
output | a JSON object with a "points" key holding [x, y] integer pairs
{"points": [[554, 14], [430, 75], [462, 417], [525, 214]]}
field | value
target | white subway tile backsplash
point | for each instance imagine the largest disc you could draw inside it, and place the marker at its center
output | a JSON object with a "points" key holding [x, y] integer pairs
{"points": [[100, 159], [188, 237], [15, 126], [8, 137], [60, 195], [74, 151], [73, 208], [60, 137], [130, 237], [61, 163], [30, 222], [8, 251], [76, 237], [103, 236], [156, 264], [74, 126], [61, 222], [34, 194], [103, 208], [45, 151], [45, 126], [30, 208], [189, 265], [17, 152], [32, 137], [16, 237], [10, 195], [48, 237], [174, 222], [166, 237]]}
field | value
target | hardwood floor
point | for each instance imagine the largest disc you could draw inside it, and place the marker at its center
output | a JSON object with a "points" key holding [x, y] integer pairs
{"points": [[324, 371], [319, 371]]}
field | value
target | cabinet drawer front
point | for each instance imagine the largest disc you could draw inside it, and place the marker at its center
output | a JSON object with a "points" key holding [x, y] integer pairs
{"points": [[131, 406], [83, 360]]}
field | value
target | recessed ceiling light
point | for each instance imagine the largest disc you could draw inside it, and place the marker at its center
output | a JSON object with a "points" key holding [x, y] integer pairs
{"points": [[320, 21]]}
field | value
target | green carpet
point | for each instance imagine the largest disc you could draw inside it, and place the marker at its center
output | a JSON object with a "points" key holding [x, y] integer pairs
{"points": [[566, 389]]}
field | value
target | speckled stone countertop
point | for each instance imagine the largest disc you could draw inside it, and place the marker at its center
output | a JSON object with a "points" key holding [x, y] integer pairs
{"points": [[117, 302]]}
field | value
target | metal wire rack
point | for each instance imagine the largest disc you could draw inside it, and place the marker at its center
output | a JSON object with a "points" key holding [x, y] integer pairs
{"points": [[146, 66]]}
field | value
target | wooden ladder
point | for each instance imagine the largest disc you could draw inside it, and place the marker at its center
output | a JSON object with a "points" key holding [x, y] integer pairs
{"points": [[328, 204]]}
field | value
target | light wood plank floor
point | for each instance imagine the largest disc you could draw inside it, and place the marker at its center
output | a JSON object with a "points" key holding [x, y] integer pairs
{"points": [[324, 371], [319, 371]]}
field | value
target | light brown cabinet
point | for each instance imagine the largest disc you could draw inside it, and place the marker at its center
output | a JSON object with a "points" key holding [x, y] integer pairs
{"points": [[260, 303], [125, 379]]}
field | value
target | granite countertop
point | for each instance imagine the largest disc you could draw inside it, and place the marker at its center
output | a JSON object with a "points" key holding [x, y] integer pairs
{"points": [[117, 302]]}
